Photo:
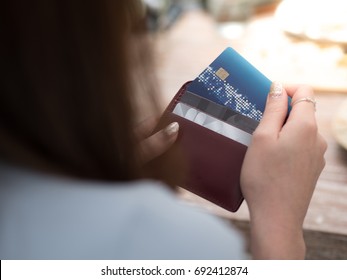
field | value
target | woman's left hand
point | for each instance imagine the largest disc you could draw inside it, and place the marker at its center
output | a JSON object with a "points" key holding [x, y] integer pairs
{"points": [[152, 146]]}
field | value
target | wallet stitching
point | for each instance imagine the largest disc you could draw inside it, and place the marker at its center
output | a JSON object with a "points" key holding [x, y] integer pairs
{"points": [[177, 97]]}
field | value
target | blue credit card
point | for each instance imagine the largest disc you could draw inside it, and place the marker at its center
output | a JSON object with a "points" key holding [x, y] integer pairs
{"points": [[231, 81]]}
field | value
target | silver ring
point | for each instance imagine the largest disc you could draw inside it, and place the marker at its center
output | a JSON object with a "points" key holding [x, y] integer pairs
{"points": [[305, 99]]}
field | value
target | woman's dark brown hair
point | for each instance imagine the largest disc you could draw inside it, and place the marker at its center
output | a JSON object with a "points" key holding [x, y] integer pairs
{"points": [[70, 72]]}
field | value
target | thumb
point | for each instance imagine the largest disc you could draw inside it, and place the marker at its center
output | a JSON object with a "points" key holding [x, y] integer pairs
{"points": [[158, 143], [275, 110]]}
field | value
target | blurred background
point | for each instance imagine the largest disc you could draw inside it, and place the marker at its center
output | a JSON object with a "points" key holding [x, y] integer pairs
{"points": [[292, 41]]}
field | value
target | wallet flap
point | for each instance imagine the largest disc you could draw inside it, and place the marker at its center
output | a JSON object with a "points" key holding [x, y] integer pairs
{"points": [[213, 161]]}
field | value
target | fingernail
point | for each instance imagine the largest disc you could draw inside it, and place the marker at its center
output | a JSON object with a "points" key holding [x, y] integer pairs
{"points": [[276, 90], [172, 128]]}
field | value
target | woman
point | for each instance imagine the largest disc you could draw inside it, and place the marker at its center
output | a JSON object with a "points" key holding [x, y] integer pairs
{"points": [[76, 77]]}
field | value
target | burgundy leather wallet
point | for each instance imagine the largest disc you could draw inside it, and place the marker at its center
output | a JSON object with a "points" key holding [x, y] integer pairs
{"points": [[214, 161]]}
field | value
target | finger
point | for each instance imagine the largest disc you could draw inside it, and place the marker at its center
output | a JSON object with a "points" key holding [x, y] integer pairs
{"points": [[301, 109], [275, 110], [145, 127], [323, 146], [158, 143]]}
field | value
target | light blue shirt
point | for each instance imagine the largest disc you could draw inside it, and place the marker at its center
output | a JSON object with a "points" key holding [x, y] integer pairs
{"points": [[47, 217]]}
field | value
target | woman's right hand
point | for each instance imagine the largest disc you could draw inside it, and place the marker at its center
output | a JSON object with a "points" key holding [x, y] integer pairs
{"points": [[279, 173]]}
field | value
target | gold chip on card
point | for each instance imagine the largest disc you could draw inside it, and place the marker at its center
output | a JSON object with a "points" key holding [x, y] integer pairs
{"points": [[222, 73]]}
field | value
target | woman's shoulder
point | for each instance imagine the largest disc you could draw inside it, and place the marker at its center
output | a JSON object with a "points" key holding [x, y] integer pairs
{"points": [[177, 230], [73, 219]]}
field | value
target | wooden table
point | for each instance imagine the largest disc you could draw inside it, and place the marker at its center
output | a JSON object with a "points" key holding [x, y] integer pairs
{"points": [[183, 52]]}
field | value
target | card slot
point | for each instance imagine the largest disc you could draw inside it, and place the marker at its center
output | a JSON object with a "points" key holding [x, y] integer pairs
{"points": [[212, 123], [214, 163]]}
